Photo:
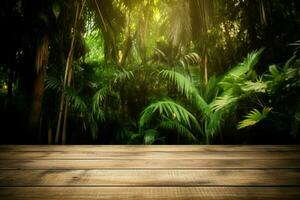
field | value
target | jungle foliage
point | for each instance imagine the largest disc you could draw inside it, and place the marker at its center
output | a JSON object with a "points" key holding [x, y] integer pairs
{"points": [[150, 71]]}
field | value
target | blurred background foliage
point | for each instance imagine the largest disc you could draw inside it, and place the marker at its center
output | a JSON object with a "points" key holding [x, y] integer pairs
{"points": [[150, 71]]}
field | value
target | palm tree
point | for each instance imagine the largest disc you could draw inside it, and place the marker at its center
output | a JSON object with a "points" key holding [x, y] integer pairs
{"points": [[204, 120]]}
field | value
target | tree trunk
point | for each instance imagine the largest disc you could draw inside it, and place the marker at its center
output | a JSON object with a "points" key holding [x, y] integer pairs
{"points": [[50, 135], [42, 54], [205, 69], [143, 31], [128, 43]]}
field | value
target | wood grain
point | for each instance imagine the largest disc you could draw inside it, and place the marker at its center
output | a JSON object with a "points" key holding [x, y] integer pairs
{"points": [[143, 148], [150, 193], [69, 155], [151, 164], [150, 177], [149, 172]]}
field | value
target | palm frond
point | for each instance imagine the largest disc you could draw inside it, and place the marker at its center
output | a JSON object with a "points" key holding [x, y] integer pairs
{"points": [[297, 47], [186, 87], [194, 73], [231, 85], [192, 58], [223, 102], [122, 75], [99, 113], [92, 124], [258, 86], [253, 117], [274, 71], [101, 95], [98, 102], [75, 100], [150, 136], [211, 90], [133, 138], [212, 124], [53, 83], [248, 64], [161, 55], [170, 110], [182, 130]]}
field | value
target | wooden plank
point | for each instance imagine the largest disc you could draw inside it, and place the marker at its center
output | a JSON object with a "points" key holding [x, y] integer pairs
{"points": [[150, 164], [150, 177], [153, 193], [143, 148], [149, 172], [147, 155]]}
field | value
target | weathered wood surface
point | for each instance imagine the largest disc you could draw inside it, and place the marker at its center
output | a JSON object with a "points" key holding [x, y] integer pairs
{"points": [[138, 148], [151, 164], [150, 177], [149, 172], [125, 155], [149, 193]]}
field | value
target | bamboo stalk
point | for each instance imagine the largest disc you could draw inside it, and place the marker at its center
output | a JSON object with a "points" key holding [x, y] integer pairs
{"points": [[205, 69], [63, 105], [64, 131]]}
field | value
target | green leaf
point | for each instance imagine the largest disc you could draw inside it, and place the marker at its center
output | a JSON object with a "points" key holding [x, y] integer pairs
{"points": [[170, 110], [248, 64], [75, 100], [297, 116], [98, 102], [56, 9], [181, 129], [274, 70], [213, 123], [258, 86], [122, 75], [223, 102], [192, 58], [53, 83], [186, 87], [150, 136], [254, 117]]}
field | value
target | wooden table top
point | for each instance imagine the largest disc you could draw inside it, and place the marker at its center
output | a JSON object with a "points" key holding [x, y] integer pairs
{"points": [[149, 172]]}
